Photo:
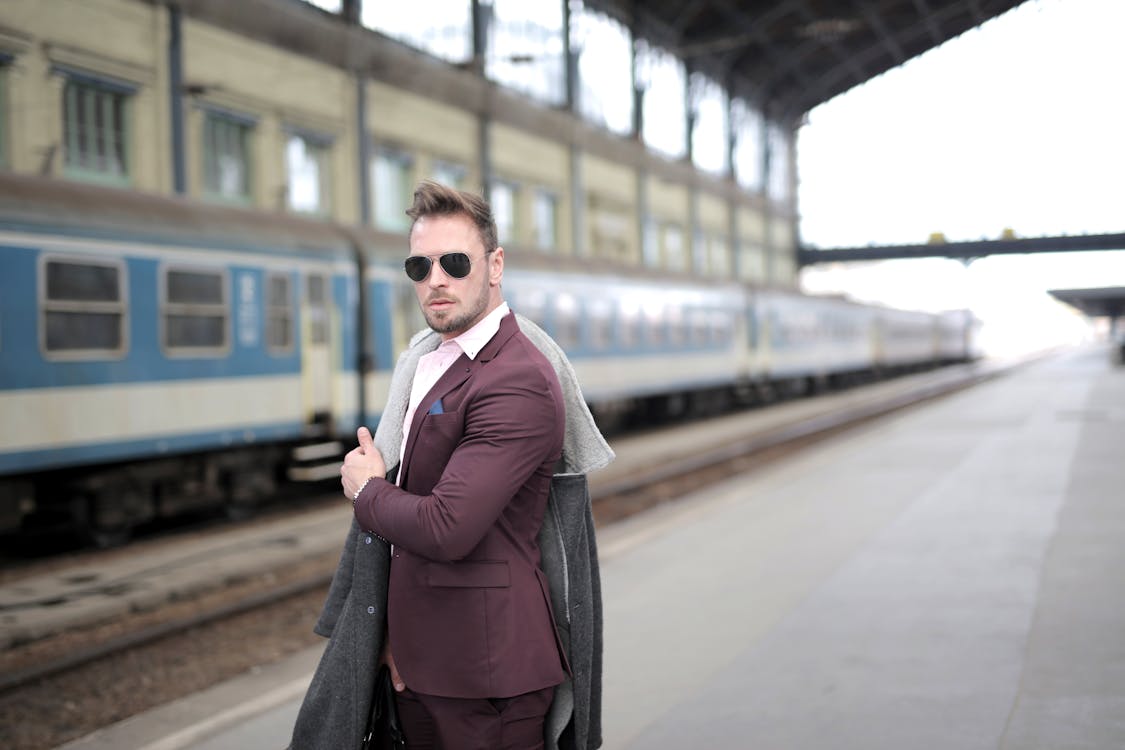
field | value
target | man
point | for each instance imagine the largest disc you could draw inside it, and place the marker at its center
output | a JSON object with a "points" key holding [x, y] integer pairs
{"points": [[471, 640]]}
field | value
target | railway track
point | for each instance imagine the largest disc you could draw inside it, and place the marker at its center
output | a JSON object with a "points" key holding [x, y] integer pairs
{"points": [[143, 650]]}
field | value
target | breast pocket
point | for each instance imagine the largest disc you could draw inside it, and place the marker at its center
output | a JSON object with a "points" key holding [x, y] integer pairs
{"points": [[439, 434]]}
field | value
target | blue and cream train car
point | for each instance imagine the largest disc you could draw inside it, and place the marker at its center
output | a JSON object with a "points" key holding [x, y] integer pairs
{"points": [[157, 355]]}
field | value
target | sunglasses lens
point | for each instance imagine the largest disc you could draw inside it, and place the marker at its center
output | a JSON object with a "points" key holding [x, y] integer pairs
{"points": [[418, 267], [455, 264]]}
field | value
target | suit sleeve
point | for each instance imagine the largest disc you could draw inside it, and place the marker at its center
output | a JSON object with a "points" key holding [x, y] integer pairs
{"points": [[511, 429]]}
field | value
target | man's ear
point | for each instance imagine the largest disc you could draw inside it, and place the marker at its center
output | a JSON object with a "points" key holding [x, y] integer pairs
{"points": [[496, 266]]}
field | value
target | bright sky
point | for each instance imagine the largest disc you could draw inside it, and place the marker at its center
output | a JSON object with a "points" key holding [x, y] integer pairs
{"points": [[1019, 123]]}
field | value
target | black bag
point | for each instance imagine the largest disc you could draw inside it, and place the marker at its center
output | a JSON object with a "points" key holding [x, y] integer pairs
{"points": [[383, 729]]}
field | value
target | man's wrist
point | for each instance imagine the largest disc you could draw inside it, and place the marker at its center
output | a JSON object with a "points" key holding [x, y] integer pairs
{"points": [[355, 497]]}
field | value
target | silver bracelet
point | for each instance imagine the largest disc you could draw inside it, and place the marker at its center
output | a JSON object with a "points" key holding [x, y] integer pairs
{"points": [[355, 497]]}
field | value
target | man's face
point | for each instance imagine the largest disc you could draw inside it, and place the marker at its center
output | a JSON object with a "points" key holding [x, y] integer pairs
{"points": [[452, 306]]}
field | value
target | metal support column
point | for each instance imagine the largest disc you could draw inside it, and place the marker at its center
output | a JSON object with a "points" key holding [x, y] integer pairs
{"points": [[175, 97]]}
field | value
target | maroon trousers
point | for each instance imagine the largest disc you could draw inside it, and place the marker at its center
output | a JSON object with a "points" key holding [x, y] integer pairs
{"points": [[431, 722]]}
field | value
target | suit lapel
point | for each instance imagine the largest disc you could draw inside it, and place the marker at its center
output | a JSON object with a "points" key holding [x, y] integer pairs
{"points": [[460, 371]]}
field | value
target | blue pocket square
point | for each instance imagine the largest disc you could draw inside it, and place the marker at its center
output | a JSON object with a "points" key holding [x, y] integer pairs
{"points": [[437, 408]]}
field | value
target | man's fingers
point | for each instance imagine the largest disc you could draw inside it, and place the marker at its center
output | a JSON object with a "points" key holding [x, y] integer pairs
{"points": [[396, 679], [366, 442]]}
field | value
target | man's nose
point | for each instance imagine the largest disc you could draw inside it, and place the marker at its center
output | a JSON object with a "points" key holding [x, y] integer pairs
{"points": [[438, 276]]}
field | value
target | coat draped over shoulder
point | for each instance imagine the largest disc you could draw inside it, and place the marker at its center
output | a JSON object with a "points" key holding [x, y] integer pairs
{"points": [[334, 713]]}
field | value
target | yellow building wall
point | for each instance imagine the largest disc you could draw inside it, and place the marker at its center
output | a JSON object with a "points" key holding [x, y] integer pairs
{"points": [[714, 215], [752, 241], [783, 245], [426, 128], [668, 201], [611, 204], [281, 91], [120, 39]]}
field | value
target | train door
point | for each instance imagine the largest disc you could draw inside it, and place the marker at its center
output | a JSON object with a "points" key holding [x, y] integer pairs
{"points": [[316, 348]]}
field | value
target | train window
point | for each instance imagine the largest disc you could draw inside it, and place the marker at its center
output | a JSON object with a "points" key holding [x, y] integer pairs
{"points": [[655, 326], [566, 328], [316, 294], [699, 326], [677, 326], [630, 326], [308, 159], [392, 178], [196, 310], [83, 307], [600, 320], [546, 212], [722, 326], [532, 304], [226, 156], [279, 312], [408, 319]]}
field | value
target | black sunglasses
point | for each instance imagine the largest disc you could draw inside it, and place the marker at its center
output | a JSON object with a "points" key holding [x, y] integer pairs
{"points": [[456, 265]]}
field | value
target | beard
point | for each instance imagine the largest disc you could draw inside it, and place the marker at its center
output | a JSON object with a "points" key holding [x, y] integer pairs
{"points": [[455, 323]]}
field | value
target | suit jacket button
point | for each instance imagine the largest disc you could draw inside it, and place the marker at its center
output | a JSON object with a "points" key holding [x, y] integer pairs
{"points": [[370, 610], [368, 540]]}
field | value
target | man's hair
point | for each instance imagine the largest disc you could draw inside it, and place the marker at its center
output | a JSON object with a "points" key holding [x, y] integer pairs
{"points": [[434, 199]]}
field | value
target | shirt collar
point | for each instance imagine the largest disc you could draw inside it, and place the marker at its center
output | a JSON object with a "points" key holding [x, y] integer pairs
{"points": [[474, 339]]}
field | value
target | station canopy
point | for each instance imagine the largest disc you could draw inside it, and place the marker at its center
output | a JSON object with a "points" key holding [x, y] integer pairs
{"points": [[791, 55], [1097, 302]]}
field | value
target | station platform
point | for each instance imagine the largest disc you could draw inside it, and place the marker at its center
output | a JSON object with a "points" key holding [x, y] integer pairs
{"points": [[944, 577]]}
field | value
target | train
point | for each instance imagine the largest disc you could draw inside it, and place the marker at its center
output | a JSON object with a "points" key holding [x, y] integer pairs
{"points": [[159, 354]]}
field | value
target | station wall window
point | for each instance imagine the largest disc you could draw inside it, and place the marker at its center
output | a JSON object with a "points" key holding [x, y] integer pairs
{"points": [[675, 250], [525, 48], [503, 199], [448, 173], [546, 212], [82, 304], [748, 144], [308, 162], [718, 255], [226, 156], [393, 188], [96, 128], [280, 312], [662, 76], [709, 131], [650, 243], [196, 311], [610, 224], [446, 30], [605, 78]]}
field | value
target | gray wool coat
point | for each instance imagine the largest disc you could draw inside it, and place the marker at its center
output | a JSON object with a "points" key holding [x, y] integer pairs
{"points": [[334, 713]]}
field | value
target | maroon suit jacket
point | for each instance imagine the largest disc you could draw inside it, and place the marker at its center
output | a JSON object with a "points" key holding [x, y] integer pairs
{"points": [[469, 613]]}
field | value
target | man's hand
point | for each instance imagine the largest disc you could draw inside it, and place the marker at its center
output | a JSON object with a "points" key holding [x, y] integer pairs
{"points": [[361, 464], [387, 658]]}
